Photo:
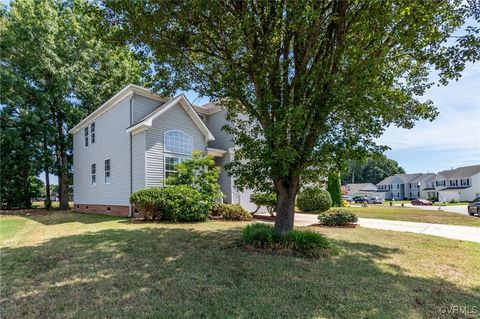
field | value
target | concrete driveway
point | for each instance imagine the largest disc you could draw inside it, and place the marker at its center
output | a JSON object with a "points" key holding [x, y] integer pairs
{"points": [[468, 233]]}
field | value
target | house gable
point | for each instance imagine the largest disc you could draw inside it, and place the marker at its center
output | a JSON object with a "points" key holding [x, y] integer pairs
{"points": [[173, 119]]}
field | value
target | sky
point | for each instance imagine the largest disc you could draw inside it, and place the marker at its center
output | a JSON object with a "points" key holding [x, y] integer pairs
{"points": [[452, 139]]}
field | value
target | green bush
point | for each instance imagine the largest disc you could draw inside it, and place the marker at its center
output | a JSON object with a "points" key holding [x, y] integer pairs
{"points": [[308, 243], [148, 202], [269, 200], [230, 212], [300, 242], [337, 217], [184, 204], [314, 199]]}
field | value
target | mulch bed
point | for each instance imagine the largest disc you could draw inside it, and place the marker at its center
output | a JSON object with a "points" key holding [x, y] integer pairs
{"points": [[264, 217], [346, 226]]}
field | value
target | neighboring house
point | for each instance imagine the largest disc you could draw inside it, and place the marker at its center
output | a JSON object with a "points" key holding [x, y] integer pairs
{"points": [[135, 139], [423, 186], [460, 184], [363, 189], [397, 187]]}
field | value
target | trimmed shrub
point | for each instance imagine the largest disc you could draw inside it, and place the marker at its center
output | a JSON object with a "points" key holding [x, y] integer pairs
{"points": [[337, 217], [184, 204], [300, 242], [314, 199], [230, 212], [148, 202], [269, 200], [334, 188]]}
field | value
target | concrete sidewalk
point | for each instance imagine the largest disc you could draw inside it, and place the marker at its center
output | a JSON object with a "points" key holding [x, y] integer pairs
{"points": [[468, 233]]}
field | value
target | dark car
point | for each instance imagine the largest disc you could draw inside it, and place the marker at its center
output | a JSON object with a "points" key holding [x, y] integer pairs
{"points": [[359, 199], [474, 207], [421, 202]]}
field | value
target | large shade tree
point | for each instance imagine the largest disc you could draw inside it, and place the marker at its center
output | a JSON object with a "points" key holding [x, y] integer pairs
{"points": [[372, 169], [57, 64], [316, 81]]}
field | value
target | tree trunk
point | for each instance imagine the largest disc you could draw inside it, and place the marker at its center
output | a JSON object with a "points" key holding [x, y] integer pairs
{"points": [[287, 189], [63, 181], [62, 165], [26, 190], [48, 200]]}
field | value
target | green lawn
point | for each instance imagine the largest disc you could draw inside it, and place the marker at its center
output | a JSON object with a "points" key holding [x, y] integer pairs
{"points": [[412, 214], [41, 204], [73, 265]]}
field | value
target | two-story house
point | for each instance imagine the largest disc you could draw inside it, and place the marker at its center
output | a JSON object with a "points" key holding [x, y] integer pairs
{"points": [[460, 184], [135, 139], [398, 186]]}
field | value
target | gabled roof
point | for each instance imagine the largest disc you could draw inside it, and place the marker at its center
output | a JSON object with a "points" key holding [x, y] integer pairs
{"points": [[208, 108], [424, 178], [361, 187], [123, 93], [461, 172], [405, 178], [147, 121]]}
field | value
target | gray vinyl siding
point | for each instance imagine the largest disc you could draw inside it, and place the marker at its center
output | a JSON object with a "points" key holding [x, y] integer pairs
{"points": [[174, 119], [111, 142], [138, 160], [224, 180], [215, 122], [142, 106]]}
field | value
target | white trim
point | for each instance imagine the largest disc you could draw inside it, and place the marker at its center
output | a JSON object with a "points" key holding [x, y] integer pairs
{"points": [[175, 155], [113, 101], [110, 171], [216, 152], [91, 184], [164, 144], [147, 122]]}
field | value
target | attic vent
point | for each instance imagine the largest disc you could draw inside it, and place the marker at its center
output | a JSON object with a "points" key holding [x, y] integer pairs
{"points": [[86, 207], [108, 209]]}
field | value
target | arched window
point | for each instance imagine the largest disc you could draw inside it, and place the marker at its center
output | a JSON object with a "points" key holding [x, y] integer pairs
{"points": [[178, 142]]}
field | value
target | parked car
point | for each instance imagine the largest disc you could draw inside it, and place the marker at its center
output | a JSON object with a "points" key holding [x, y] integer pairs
{"points": [[375, 200], [421, 202], [474, 207], [347, 198], [360, 199]]}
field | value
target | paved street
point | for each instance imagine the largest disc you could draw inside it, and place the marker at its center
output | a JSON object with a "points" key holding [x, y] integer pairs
{"points": [[468, 233]]}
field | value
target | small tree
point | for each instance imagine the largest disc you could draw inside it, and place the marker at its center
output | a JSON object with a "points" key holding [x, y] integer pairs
{"points": [[333, 187], [201, 173]]}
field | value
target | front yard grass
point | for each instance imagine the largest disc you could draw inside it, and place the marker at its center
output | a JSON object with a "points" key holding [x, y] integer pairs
{"points": [[71, 265], [411, 214]]}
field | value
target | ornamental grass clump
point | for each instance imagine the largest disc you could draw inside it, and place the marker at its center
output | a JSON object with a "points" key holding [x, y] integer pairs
{"points": [[337, 217], [303, 243]]}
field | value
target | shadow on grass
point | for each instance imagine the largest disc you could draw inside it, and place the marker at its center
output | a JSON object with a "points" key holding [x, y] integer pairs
{"points": [[177, 272], [57, 216]]}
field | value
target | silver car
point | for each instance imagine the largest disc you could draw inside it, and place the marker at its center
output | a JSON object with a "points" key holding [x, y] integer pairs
{"points": [[375, 200]]}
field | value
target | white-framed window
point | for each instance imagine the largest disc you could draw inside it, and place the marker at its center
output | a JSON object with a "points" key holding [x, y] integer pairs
{"points": [[86, 135], [465, 182], [107, 171], [94, 174], [171, 162], [453, 182], [178, 142], [92, 133]]}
